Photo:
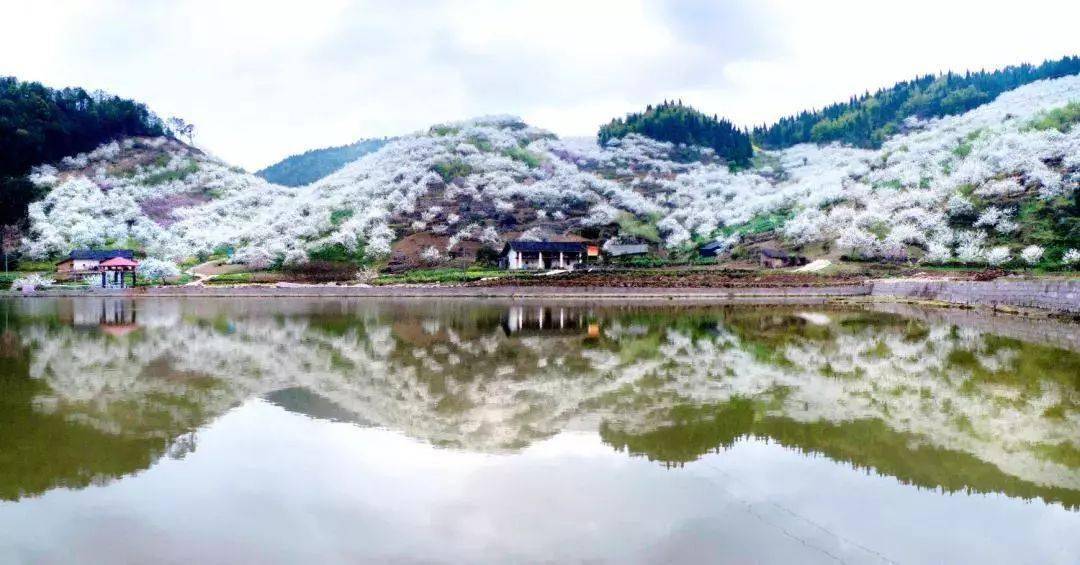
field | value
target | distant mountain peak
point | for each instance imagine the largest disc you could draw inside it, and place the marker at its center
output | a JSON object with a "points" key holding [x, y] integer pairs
{"points": [[314, 164]]}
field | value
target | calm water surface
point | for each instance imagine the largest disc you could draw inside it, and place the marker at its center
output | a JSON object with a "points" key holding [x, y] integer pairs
{"points": [[297, 430]]}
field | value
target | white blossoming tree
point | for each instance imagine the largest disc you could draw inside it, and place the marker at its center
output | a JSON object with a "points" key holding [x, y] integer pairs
{"points": [[1032, 254]]}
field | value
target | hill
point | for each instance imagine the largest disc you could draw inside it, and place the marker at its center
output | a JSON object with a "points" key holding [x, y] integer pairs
{"points": [[868, 120], [312, 165], [974, 188], [40, 125]]}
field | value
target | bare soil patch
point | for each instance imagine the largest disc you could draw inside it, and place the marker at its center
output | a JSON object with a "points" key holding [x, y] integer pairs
{"points": [[681, 279]]}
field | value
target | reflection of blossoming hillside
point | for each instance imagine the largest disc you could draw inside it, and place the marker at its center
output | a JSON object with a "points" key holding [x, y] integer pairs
{"points": [[45, 444], [1003, 402], [692, 431], [842, 383], [450, 382]]}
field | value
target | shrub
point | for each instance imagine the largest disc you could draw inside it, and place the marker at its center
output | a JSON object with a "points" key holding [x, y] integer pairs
{"points": [[337, 253], [487, 256], [322, 271], [222, 251], [1071, 257], [962, 150], [523, 155], [431, 255], [6, 279], [1032, 254], [443, 130], [337, 217], [35, 281], [35, 265], [998, 256], [231, 278], [428, 276], [450, 170], [1060, 119], [630, 226], [163, 177]]}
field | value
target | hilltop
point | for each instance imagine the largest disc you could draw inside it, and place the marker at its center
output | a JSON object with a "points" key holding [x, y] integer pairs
{"points": [[39, 124], [314, 164]]}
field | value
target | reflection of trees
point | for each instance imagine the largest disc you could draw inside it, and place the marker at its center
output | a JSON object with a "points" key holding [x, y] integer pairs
{"points": [[868, 444], [43, 448], [930, 403]]}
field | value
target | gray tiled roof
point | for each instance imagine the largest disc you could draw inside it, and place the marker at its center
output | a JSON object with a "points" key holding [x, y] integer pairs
{"points": [[100, 254], [545, 246]]}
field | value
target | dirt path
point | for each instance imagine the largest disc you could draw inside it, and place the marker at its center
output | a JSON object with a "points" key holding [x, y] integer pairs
{"points": [[210, 269]]}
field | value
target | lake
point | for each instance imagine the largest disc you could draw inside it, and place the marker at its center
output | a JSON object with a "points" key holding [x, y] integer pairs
{"points": [[345, 430]]}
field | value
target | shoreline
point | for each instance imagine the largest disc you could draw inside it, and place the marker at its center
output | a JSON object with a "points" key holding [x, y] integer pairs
{"points": [[463, 291], [1036, 296]]}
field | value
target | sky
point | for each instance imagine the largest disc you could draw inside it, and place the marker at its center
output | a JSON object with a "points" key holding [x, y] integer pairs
{"points": [[263, 79]]}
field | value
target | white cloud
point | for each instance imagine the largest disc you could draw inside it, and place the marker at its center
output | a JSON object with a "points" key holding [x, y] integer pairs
{"points": [[264, 79]]}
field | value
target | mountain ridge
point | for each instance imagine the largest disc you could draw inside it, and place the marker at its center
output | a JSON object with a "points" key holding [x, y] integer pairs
{"points": [[971, 188]]}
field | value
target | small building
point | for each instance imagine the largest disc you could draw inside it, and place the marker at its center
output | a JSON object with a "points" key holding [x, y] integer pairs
{"points": [[114, 272], [518, 255], [774, 259], [711, 249], [105, 267], [626, 249], [83, 260]]}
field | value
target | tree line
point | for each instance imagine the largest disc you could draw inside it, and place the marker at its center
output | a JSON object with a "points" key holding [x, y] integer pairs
{"points": [[869, 119], [676, 123], [39, 125]]}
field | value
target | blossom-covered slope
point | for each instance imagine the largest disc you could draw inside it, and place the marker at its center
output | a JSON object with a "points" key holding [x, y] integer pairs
{"points": [[975, 188]]}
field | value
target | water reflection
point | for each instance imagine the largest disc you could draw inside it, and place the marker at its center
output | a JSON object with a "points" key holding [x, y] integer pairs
{"points": [[540, 320], [96, 389]]}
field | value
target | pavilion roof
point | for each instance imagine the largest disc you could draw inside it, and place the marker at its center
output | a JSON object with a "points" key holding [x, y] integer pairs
{"points": [[119, 262]]}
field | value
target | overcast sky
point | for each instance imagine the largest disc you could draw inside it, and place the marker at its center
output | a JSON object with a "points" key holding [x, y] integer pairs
{"points": [[263, 79]]}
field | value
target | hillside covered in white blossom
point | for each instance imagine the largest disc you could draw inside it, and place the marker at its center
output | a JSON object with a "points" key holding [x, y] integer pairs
{"points": [[996, 185]]}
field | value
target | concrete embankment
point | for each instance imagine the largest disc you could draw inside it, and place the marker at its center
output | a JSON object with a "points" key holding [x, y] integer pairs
{"points": [[1056, 295], [598, 293]]}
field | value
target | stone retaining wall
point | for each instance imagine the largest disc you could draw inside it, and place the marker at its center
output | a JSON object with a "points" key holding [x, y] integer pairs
{"points": [[1058, 295], [1048, 294], [598, 293]]}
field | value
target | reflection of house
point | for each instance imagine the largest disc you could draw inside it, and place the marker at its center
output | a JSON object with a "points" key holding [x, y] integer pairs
{"points": [[546, 254], [546, 320], [111, 315], [117, 317]]}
